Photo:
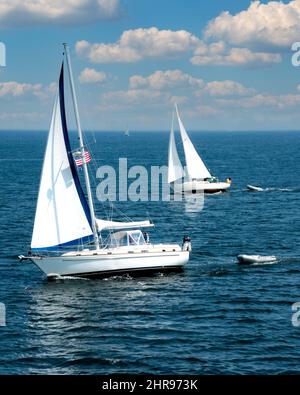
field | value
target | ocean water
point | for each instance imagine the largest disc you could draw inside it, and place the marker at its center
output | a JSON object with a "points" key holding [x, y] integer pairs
{"points": [[215, 317]]}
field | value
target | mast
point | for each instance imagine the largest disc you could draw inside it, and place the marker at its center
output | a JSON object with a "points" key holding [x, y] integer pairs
{"points": [[85, 169]]}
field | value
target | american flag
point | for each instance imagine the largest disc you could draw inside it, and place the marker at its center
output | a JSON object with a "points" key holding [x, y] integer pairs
{"points": [[79, 160]]}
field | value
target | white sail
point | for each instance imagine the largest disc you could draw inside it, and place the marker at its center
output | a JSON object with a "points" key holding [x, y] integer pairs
{"points": [[62, 215], [196, 169], [175, 170]]}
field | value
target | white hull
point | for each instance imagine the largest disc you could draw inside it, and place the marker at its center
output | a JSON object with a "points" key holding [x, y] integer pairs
{"points": [[201, 186], [250, 259], [255, 189], [110, 261]]}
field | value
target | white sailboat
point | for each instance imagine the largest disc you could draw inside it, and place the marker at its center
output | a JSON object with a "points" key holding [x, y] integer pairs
{"points": [[197, 178], [67, 236]]}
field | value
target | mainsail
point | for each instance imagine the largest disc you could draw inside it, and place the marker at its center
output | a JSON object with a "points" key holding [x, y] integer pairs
{"points": [[175, 170], [196, 169], [62, 215]]}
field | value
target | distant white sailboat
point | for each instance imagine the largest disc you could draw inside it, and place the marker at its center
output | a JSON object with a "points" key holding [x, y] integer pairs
{"points": [[126, 133], [66, 238], [198, 177]]}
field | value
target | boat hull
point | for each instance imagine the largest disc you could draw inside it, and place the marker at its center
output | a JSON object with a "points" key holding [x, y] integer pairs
{"points": [[254, 189], [201, 187], [251, 259], [88, 265]]}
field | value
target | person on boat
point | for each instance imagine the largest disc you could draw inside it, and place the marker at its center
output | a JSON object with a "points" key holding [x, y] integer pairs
{"points": [[146, 237], [228, 180]]}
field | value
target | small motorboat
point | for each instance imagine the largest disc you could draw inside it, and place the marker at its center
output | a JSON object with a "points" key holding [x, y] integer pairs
{"points": [[254, 189], [250, 259]]}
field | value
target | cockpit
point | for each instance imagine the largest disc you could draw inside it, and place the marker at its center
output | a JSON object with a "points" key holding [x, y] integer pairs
{"points": [[127, 238]]}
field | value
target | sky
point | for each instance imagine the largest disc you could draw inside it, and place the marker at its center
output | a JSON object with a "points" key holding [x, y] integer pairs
{"points": [[227, 64]]}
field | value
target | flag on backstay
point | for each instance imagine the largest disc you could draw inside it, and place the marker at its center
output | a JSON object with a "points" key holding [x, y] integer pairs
{"points": [[79, 160]]}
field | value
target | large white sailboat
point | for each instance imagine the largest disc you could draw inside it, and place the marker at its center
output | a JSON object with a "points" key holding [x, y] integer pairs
{"points": [[67, 237], [197, 178]]}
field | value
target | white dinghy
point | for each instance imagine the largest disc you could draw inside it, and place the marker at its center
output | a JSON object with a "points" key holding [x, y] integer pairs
{"points": [[67, 237], [251, 259], [197, 178], [253, 188]]}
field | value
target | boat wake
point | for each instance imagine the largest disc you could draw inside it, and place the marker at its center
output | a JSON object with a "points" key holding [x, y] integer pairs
{"points": [[124, 277], [58, 277], [252, 188]]}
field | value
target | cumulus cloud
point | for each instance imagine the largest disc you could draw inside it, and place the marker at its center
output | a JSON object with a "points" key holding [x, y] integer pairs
{"points": [[133, 96], [138, 44], [89, 75], [253, 37], [18, 89], [166, 79], [227, 88], [263, 101], [14, 13], [136, 98], [271, 25], [13, 88], [224, 56], [177, 79]]}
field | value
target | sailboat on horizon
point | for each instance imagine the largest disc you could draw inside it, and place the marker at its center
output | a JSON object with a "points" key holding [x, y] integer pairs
{"points": [[196, 176], [67, 237]]}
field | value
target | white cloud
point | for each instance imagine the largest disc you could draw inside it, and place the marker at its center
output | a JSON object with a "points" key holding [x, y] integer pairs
{"points": [[166, 79], [39, 12], [89, 75], [138, 44], [13, 88], [201, 110], [227, 88], [177, 79], [263, 101], [133, 96], [271, 25], [19, 116], [18, 89], [234, 57]]}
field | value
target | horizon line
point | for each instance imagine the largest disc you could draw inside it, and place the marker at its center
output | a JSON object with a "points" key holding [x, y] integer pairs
{"points": [[88, 130]]}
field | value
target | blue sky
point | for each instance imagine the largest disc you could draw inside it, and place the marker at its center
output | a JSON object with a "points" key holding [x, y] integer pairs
{"points": [[226, 63]]}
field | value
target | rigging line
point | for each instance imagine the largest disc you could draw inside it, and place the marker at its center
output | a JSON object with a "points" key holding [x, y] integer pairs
{"points": [[95, 163]]}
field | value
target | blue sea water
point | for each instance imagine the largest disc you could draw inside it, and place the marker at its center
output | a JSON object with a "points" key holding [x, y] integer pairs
{"points": [[215, 317]]}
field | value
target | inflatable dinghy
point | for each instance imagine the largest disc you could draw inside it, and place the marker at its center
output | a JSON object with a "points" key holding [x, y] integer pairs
{"points": [[254, 189], [250, 259]]}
